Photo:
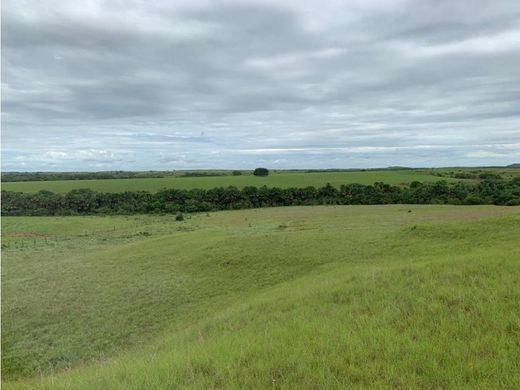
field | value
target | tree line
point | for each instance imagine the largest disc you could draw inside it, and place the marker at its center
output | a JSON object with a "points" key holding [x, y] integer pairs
{"points": [[46, 176], [86, 201]]}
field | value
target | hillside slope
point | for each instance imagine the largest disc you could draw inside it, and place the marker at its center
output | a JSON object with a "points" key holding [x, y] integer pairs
{"points": [[303, 297]]}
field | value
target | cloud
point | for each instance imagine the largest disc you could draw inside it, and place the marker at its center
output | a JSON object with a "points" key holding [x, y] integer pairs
{"points": [[157, 85], [89, 155]]}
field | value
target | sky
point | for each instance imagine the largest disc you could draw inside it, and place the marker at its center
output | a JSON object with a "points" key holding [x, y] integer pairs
{"points": [[139, 85]]}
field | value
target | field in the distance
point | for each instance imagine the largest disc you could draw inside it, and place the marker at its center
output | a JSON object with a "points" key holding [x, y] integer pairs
{"points": [[282, 180], [297, 297]]}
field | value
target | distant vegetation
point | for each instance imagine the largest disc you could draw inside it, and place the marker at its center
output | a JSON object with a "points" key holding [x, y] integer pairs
{"points": [[107, 175], [261, 172], [467, 174], [275, 179], [86, 201], [48, 176], [459, 173], [202, 174], [206, 179]]}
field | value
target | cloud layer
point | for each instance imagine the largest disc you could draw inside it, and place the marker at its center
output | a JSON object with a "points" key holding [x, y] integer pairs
{"points": [[170, 85]]}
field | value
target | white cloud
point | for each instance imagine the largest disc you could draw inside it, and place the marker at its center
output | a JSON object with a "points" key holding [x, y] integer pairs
{"points": [[85, 155], [192, 84]]}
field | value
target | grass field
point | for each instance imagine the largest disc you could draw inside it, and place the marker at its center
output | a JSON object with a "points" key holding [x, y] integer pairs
{"points": [[296, 297], [282, 180]]}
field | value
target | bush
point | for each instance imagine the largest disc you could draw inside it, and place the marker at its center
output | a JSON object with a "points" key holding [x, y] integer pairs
{"points": [[489, 176], [179, 217], [474, 199], [261, 172], [237, 173]]}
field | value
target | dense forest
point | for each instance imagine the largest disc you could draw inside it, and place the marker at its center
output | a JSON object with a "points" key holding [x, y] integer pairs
{"points": [[86, 201]]}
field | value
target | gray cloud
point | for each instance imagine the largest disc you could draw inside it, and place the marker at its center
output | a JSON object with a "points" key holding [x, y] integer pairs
{"points": [[162, 85]]}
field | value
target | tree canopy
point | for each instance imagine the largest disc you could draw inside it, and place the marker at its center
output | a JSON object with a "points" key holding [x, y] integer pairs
{"points": [[86, 201], [261, 172]]}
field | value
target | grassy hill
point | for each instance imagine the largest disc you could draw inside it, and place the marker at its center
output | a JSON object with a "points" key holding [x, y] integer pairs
{"points": [[282, 180], [297, 297]]}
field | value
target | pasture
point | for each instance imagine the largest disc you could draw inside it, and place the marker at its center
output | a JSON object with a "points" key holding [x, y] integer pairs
{"points": [[282, 180], [297, 297]]}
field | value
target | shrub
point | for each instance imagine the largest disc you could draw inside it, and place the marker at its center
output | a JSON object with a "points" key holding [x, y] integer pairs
{"points": [[474, 199], [489, 176], [237, 173], [179, 217]]}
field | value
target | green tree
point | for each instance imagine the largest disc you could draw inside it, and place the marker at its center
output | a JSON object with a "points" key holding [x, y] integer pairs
{"points": [[261, 172]]}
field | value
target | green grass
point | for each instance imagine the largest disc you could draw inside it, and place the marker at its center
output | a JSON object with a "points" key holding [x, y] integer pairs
{"points": [[297, 297], [282, 180]]}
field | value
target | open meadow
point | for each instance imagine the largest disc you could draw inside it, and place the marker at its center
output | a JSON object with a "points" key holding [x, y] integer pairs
{"points": [[281, 180], [392, 296]]}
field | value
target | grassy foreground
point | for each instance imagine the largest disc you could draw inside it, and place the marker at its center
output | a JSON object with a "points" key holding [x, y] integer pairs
{"points": [[281, 180], [299, 297]]}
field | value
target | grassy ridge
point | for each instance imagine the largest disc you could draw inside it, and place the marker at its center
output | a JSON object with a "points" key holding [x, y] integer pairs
{"points": [[282, 180], [306, 297]]}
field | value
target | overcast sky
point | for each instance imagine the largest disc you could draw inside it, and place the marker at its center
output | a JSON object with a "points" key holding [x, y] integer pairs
{"points": [[101, 85]]}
